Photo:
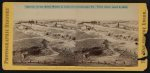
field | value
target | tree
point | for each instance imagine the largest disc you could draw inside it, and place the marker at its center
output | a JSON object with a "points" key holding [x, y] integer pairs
{"points": [[118, 25]]}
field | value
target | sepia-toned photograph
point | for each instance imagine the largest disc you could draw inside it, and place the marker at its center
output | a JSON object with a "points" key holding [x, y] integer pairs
{"points": [[75, 37]]}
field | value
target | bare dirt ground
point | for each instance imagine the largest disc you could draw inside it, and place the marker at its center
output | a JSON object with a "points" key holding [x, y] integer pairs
{"points": [[71, 42]]}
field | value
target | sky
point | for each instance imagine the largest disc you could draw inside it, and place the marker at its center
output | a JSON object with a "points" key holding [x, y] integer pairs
{"points": [[22, 13]]}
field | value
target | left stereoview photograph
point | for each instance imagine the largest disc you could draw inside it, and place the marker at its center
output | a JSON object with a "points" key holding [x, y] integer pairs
{"points": [[72, 35]]}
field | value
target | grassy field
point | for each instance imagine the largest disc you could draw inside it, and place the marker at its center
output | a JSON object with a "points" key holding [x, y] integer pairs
{"points": [[66, 42]]}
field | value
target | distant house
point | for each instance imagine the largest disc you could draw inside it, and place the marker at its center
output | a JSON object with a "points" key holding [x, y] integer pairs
{"points": [[86, 27], [58, 25], [83, 27]]}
